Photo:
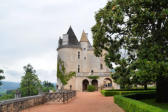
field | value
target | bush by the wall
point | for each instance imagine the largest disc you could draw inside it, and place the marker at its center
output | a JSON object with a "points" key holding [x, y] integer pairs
{"points": [[131, 105], [126, 92], [91, 88]]}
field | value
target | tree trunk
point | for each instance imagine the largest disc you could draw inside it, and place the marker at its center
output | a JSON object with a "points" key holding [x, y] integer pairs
{"points": [[145, 86], [161, 87]]}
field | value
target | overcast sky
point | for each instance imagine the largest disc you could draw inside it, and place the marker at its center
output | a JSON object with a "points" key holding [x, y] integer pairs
{"points": [[30, 29]]}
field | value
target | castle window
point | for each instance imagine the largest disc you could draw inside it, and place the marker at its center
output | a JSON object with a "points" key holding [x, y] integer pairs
{"points": [[78, 68], [84, 48], [91, 71], [101, 66], [78, 55], [84, 58]]}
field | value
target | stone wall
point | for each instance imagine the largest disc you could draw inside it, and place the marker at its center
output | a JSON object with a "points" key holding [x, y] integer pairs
{"points": [[16, 105]]}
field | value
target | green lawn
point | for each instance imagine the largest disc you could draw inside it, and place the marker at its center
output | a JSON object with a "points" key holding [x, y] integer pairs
{"points": [[164, 106]]}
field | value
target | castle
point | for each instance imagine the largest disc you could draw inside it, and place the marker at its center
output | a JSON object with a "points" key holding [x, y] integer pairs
{"points": [[78, 56]]}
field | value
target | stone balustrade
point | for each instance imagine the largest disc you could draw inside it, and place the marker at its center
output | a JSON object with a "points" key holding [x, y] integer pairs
{"points": [[86, 74], [16, 105]]}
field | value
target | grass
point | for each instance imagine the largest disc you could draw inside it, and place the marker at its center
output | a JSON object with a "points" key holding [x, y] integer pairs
{"points": [[163, 106]]}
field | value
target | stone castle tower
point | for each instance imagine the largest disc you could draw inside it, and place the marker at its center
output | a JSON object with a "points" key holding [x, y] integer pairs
{"points": [[78, 56]]}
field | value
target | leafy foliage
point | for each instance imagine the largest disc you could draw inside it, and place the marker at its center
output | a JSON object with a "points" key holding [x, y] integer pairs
{"points": [[6, 96], [1, 77], [136, 30], [30, 84], [144, 74], [93, 77], [122, 75], [61, 73], [91, 88], [10, 94], [47, 86]]}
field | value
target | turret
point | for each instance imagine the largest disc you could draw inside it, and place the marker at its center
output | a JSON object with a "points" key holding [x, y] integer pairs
{"points": [[84, 42]]}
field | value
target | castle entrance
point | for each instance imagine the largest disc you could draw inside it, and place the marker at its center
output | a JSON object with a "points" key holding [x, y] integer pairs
{"points": [[85, 84], [95, 84], [107, 82]]}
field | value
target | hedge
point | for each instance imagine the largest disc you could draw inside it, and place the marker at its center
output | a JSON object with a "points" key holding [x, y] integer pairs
{"points": [[131, 105], [125, 92]]}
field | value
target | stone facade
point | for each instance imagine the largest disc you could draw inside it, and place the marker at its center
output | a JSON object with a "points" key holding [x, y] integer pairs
{"points": [[79, 57]]}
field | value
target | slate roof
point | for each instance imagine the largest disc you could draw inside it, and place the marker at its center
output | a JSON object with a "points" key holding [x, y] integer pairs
{"points": [[72, 37], [72, 40]]}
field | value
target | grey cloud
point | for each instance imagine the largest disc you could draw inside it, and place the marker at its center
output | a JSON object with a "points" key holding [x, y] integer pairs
{"points": [[31, 28], [12, 75]]}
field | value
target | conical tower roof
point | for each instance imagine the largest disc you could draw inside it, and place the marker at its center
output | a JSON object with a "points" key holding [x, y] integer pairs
{"points": [[84, 37], [72, 37]]}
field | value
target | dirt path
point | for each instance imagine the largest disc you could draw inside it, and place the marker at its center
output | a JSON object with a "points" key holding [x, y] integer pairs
{"points": [[83, 102]]}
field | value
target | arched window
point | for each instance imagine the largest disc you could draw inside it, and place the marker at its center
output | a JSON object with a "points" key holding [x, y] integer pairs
{"points": [[78, 68], [101, 66], [78, 55]]}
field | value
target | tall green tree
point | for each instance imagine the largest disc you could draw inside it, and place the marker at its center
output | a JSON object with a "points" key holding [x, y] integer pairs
{"points": [[143, 74], [1, 77], [122, 75], [141, 28], [30, 83]]}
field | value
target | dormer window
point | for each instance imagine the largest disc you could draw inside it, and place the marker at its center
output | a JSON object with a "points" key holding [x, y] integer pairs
{"points": [[84, 49], [65, 39]]}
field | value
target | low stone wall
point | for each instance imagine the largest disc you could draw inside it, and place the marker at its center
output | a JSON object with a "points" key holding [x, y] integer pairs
{"points": [[16, 105]]}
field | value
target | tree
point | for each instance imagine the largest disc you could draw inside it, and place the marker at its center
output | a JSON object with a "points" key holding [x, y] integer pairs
{"points": [[61, 73], [1, 77], [122, 75], [140, 27], [30, 84], [144, 73], [47, 86]]}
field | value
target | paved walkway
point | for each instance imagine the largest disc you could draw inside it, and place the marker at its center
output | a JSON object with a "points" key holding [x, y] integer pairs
{"points": [[83, 102]]}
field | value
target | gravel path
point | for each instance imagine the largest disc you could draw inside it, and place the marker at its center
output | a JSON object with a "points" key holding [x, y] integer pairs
{"points": [[83, 102]]}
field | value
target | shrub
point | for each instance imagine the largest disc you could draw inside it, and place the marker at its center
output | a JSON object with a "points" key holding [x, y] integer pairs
{"points": [[131, 105], [6, 96], [91, 88], [126, 92]]}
